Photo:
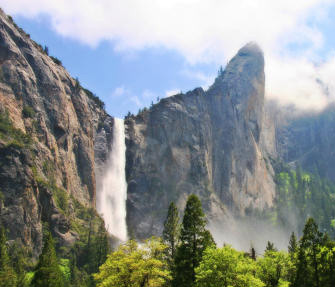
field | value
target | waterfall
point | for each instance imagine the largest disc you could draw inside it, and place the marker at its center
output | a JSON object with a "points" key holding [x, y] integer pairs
{"points": [[112, 196]]}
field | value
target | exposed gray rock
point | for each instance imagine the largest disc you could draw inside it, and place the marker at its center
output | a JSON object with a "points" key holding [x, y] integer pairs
{"points": [[64, 126], [206, 143]]}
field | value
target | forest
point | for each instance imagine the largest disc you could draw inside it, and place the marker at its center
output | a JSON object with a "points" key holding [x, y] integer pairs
{"points": [[185, 255]]}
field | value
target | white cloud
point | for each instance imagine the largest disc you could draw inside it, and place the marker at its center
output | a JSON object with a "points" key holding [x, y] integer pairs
{"points": [[136, 100], [119, 92], [205, 31], [148, 95], [205, 80]]}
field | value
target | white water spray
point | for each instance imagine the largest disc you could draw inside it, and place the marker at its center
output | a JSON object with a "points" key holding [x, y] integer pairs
{"points": [[111, 199]]}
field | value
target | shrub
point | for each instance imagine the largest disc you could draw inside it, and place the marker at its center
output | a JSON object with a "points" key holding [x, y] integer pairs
{"points": [[28, 112], [56, 60]]}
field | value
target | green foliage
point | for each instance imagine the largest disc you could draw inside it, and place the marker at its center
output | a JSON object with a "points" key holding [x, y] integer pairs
{"points": [[135, 266], [8, 277], [300, 195], [293, 245], [46, 50], [59, 194], [28, 112], [274, 268], [64, 266], [48, 273], [56, 60], [308, 260], [270, 247], [194, 239], [12, 136], [171, 230], [226, 267]]}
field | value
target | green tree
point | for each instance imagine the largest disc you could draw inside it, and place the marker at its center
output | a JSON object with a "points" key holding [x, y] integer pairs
{"points": [[274, 268], [270, 247], [226, 267], [48, 273], [171, 230], [134, 266], [308, 261], [293, 245], [194, 239], [8, 277]]}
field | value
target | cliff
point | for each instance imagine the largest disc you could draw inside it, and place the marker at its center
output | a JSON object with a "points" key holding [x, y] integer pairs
{"points": [[55, 139], [52, 132], [202, 142]]}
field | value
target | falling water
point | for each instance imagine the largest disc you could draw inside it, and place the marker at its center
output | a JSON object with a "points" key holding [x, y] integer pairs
{"points": [[111, 198]]}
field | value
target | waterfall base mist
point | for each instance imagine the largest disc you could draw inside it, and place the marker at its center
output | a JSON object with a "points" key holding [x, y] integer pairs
{"points": [[242, 233], [112, 195]]}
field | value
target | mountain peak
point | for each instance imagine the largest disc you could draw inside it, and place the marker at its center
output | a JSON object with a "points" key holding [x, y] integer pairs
{"points": [[251, 48]]}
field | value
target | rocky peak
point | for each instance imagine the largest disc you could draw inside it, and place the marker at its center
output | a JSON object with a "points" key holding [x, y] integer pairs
{"points": [[201, 142]]}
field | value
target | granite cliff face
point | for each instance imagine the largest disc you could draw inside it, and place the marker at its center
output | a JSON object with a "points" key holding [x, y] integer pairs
{"points": [[55, 138], [207, 143], [308, 140], [52, 132]]}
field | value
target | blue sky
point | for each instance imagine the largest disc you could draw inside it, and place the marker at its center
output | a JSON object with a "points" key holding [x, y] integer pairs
{"points": [[130, 52], [125, 81]]}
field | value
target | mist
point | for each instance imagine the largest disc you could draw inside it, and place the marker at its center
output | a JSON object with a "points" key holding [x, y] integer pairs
{"points": [[248, 232]]}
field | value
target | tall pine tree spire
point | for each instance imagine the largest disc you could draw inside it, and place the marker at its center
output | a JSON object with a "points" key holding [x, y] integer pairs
{"points": [[194, 238], [171, 229], [48, 273]]}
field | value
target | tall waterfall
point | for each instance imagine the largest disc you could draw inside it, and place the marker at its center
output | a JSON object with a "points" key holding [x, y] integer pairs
{"points": [[111, 198]]}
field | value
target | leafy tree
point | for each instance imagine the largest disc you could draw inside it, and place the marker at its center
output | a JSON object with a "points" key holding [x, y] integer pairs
{"points": [[274, 268], [48, 273], [226, 267], [171, 230], [134, 266], [194, 239], [8, 277]]}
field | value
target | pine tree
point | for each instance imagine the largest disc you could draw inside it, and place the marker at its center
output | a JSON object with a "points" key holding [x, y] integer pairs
{"points": [[48, 273], [8, 277], [171, 230], [270, 247], [293, 245], [308, 262], [194, 239], [253, 253]]}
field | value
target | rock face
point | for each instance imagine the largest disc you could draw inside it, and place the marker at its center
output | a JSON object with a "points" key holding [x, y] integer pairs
{"points": [[55, 137], [68, 130], [207, 143], [308, 140]]}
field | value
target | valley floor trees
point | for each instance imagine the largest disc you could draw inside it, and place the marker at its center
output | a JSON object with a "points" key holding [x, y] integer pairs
{"points": [[195, 261]]}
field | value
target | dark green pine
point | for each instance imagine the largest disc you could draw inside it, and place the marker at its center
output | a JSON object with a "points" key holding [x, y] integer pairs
{"points": [[48, 273], [194, 239]]}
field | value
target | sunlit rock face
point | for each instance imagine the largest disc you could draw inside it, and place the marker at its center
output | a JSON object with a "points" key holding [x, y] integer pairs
{"points": [[205, 142], [46, 103]]}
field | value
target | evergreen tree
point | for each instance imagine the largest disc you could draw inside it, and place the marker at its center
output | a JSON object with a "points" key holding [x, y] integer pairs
{"points": [[293, 245], [270, 247], [8, 276], [171, 230], [48, 273], [194, 239], [308, 273], [252, 253]]}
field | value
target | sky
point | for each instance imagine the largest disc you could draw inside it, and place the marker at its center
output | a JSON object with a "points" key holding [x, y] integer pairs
{"points": [[131, 52]]}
